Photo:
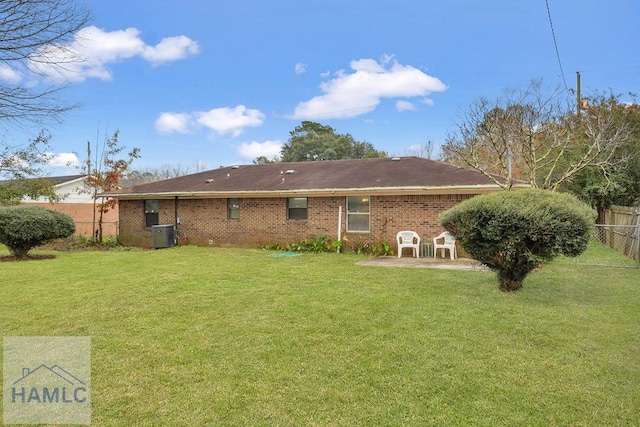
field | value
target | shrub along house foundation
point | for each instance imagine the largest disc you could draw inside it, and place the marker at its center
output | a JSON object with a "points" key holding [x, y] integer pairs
{"points": [[363, 202]]}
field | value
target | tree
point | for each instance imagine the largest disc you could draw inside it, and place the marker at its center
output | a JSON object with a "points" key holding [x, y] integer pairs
{"points": [[620, 184], [20, 167], [165, 171], [22, 228], [262, 160], [515, 232], [535, 135], [312, 141], [12, 192], [422, 150], [32, 35], [104, 174]]}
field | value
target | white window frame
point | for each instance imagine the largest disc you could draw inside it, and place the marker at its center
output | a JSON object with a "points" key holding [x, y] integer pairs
{"points": [[148, 212], [352, 214], [233, 206], [306, 208]]}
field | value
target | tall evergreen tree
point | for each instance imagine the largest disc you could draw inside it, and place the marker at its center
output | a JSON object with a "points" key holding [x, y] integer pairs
{"points": [[312, 141]]}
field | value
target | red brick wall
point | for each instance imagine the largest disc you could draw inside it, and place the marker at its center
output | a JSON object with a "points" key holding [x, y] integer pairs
{"points": [[132, 231], [264, 220], [390, 214], [82, 214]]}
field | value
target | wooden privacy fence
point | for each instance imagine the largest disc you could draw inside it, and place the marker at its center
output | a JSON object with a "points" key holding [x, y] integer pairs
{"points": [[620, 229]]}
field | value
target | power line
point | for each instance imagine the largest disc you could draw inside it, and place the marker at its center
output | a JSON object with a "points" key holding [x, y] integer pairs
{"points": [[555, 43]]}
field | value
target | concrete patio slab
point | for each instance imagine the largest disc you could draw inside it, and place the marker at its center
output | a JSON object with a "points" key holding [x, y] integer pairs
{"points": [[442, 263]]}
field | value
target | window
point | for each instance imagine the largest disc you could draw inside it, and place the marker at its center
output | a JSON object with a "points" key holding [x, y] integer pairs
{"points": [[297, 208], [150, 213], [233, 208], [358, 214]]}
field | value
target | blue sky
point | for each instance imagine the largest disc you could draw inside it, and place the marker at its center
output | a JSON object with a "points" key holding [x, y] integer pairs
{"points": [[221, 82]]}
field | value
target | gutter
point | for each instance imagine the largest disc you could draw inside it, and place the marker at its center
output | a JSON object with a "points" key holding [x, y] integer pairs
{"points": [[325, 192]]}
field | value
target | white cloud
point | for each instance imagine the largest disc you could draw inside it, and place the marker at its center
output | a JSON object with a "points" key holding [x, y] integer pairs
{"points": [[173, 123], [268, 149], [359, 92], [387, 58], [222, 121], [9, 75], [62, 160], [170, 49], [367, 65], [405, 106], [300, 68], [94, 49], [230, 120]]}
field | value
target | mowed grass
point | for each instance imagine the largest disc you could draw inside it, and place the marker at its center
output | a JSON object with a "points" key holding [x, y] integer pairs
{"points": [[207, 336]]}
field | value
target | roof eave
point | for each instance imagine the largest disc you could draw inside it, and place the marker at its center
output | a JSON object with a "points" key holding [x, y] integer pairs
{"points": [[321, 192], [73, 181]]}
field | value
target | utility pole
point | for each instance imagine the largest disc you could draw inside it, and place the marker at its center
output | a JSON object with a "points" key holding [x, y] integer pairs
{"points": [[579, 95], [509, 160], [92, 190]]}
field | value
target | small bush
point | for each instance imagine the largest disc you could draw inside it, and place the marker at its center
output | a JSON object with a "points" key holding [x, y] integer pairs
{"points": [[23, 228], [383, 250], [365, 248], [321, 243], [84, 243], [315, 244], [515, 232]]}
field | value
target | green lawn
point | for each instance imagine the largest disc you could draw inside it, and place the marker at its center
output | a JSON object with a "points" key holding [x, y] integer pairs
{"points": [[206, 336]]}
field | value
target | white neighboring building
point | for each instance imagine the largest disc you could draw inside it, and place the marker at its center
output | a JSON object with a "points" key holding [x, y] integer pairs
{"points": [[77, 202], [70, 189]]}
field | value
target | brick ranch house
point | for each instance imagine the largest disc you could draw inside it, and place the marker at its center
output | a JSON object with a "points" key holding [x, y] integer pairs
{"points": [[363, 200]]}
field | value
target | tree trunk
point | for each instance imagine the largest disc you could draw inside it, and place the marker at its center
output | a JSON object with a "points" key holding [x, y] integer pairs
{"points": [[509, 282], [100, 221], [510, 285], [93, 223], [20, 253]]}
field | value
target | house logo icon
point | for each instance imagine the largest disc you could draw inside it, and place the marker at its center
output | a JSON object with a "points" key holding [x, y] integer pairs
{"points": [[46, 380], [48, 384]]}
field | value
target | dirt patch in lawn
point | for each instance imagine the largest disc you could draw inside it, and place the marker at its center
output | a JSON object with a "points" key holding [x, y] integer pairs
{"points": [[11, 258], [428, 262]]}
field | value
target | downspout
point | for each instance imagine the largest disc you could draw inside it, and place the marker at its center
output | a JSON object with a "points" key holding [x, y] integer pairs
{"points": [[175, 217], [339, 225]]}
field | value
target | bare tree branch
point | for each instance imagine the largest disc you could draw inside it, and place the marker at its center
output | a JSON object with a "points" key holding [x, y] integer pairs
{"points": [[32, 33], [533, 134]]}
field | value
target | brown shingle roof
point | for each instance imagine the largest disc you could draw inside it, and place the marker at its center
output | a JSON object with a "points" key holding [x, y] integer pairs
{"points": [[379, 175], [54, 180]]}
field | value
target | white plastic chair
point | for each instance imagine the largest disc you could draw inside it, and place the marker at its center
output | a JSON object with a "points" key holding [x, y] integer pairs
{"points": [[406, 239], [449, 242]]}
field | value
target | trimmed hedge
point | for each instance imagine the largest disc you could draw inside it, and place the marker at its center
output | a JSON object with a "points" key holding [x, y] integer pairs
{"points": [[22, 228], [514, 232]]}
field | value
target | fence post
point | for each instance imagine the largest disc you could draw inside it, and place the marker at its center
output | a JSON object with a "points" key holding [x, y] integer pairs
{"points": [[636, 251]]}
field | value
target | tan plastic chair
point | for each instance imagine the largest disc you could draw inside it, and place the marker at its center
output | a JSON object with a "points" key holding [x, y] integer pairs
{"points": [[448, 242], [408, 239]]}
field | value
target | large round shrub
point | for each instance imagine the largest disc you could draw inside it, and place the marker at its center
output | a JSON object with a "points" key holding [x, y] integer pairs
{"points": [[22, 228], [513, 232]]}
